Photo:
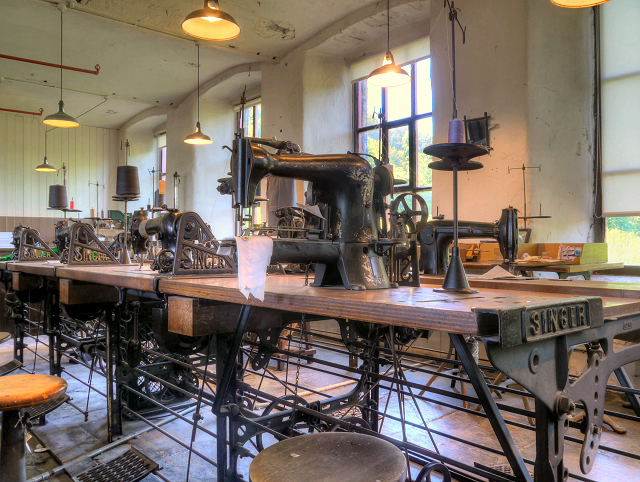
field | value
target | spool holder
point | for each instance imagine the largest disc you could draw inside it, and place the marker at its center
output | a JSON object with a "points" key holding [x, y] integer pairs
{"points": [[455, 157], [125, 258]]}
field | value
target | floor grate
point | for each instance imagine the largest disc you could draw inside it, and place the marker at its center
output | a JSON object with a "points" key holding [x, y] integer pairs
{"points": [[9, 367], [131, 466]]}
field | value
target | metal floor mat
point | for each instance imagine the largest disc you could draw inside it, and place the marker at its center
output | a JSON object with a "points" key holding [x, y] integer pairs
{"points": [[44, 408], [131, 466], [9, 367]]}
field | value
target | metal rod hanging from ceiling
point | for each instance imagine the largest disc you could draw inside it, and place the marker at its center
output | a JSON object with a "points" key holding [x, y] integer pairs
{"points": [[22, 111], [48, 64]]}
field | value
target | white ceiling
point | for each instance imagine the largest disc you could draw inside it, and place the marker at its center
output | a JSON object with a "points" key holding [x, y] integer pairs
{"points": [[146, 60]]}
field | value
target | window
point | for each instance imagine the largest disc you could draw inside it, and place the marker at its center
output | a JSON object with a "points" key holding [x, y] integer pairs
{"points": [[402, 118], [252, 118], [619, 97], [162, 164]]}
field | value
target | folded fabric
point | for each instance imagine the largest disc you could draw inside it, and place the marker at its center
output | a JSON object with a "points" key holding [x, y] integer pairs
{"points": [[254, 255]]}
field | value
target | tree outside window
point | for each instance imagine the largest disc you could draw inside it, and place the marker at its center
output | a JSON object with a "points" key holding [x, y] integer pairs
{"points": [[395, 124]]}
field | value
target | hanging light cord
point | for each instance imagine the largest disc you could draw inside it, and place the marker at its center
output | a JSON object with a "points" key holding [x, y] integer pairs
{"points": [[61, 56], [388, 28], [198, 45]]}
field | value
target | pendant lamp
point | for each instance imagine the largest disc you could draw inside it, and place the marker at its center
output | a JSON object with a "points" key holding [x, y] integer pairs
{"points": [[389, 75], [578, 3], [45, 166], [61, 118], [198, 138], [211, 23]]}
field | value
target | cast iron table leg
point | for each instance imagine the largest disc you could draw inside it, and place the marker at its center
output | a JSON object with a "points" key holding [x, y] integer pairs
{"points": [[227, 350], [625, 382], [490, 409], [114, 414], [12, 463]]}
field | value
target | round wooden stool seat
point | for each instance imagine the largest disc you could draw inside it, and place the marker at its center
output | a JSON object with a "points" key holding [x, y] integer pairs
{"points": [[4, 335], [23, 391], [330, 457]]}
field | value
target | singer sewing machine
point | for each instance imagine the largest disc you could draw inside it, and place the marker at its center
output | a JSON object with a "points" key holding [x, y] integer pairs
{"points": [[437, 236], [342, 237], [188, 245], [29, 246]]}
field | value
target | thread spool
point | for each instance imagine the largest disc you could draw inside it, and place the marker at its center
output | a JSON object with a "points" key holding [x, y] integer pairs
{"points": [[159, 199], [456, 132], [57, 196], [127, 183]]}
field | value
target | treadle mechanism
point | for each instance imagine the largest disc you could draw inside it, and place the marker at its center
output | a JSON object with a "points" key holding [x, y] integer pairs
{"points": [[45, 408], [9, 367], [131, 466]]}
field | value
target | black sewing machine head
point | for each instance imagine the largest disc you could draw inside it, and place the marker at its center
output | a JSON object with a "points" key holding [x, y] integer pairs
{"points": [[437, 236], [187, 244], [29, 246], [347, 250]]}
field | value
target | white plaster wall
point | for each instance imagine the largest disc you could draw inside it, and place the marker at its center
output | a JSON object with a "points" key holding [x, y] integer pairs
{"points": [[201, 166], [282, 99], [326, 104], [560, 121], [528, 64]]}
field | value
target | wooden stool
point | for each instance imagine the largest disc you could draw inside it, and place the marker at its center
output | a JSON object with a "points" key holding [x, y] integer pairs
{"points": [[330, 457], [18, 392], [4, 335]]}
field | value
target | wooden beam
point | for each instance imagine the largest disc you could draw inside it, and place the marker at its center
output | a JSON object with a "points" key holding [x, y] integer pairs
{"points": [[74, 293]]}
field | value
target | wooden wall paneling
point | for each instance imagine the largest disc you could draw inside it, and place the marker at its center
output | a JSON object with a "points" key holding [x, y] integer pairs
{"points": [[11, 166], [28, 170], [82, 180], [106, 163], [35, 160], [4, 170], [90, 199], [72, 187], [64, 159], [97, 198], [99, 155], [19, 167]]}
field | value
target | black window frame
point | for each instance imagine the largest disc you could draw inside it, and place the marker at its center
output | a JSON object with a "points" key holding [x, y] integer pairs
{"points": [[414, 152]]}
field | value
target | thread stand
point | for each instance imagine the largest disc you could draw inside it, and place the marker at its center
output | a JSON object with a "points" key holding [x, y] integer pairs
{"points": [[124, 257], [455, 157]]}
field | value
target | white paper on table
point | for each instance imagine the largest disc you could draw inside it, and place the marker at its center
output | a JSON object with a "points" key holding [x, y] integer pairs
{"points": [[254, 255], [497, 273]]}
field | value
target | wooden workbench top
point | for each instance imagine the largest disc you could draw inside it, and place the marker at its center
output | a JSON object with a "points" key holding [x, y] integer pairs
{"points": [[613, 289], [561, 268], [42, 268], [419, 308]]}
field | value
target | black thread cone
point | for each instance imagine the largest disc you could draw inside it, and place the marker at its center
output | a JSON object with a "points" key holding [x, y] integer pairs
{"points": [[57, 196], [127, 182], [455, 281]]}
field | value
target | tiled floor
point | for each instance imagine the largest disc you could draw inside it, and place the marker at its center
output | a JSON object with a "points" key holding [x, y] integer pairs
{"points": [[69, 435]]}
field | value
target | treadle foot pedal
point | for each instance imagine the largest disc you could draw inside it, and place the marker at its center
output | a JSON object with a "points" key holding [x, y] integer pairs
{"points": [[500, 469], [132, 466], [9, 367], [45, 408]]}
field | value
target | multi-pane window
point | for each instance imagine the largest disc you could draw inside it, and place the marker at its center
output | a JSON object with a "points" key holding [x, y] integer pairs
{"points": [[395, 125], [251, 118], [162, 167]]}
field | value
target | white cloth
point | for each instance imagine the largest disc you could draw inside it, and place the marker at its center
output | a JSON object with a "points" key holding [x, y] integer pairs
{"points": [[254, 255]]}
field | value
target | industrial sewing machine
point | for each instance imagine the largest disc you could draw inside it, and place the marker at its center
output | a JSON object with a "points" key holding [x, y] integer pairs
{"points": [[341, 233], [437, 236], [29, 246], [188, 245]]}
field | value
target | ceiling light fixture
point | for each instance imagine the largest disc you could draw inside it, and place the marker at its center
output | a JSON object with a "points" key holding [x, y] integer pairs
{"points": [[45, 166], [389, 75], [198, 138], [61, 118], [578, 3], [211, 23]]}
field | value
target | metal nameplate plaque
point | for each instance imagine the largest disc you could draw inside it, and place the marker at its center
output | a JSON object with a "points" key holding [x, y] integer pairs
{"points": [[548, 322]]}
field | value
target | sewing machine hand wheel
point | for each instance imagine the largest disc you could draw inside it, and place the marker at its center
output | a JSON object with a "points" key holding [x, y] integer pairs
{"points": [[406, 216]]}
